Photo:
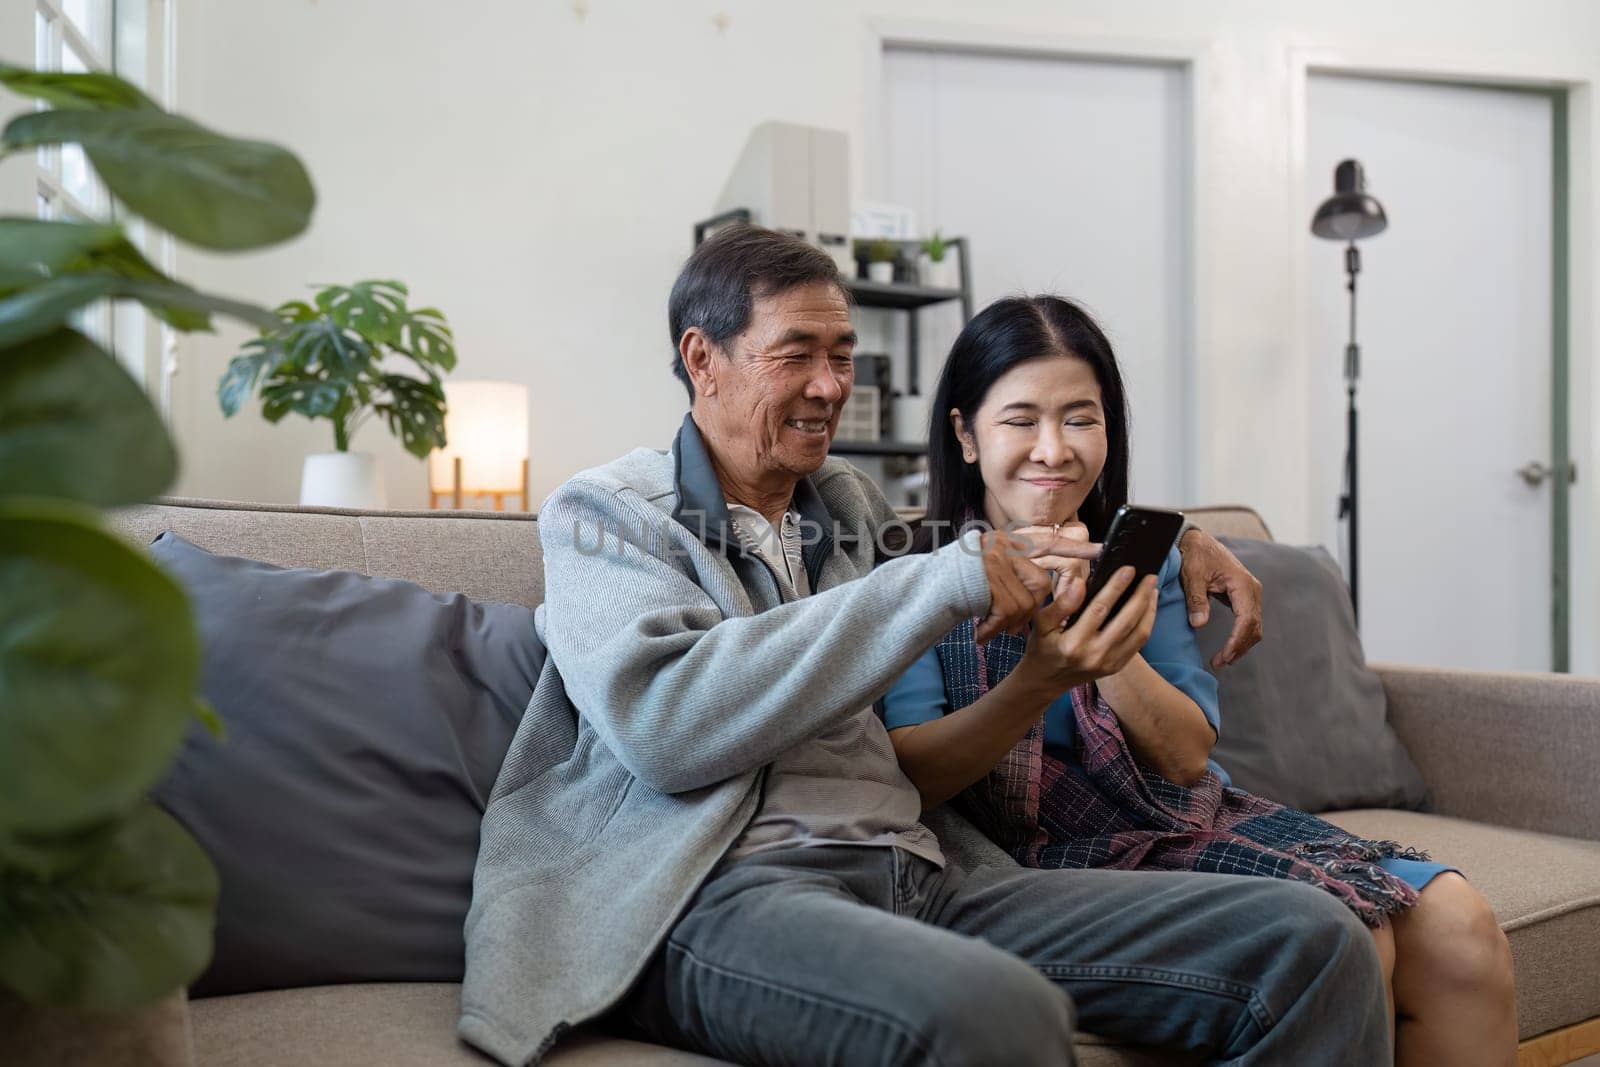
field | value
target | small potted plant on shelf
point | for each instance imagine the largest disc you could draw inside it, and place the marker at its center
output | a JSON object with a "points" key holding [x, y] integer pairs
{"points": [[324, 360], [880, 254], [936, 267]]}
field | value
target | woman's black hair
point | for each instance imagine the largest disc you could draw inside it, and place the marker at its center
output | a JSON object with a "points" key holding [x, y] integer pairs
{"points": [[1005, 334]]}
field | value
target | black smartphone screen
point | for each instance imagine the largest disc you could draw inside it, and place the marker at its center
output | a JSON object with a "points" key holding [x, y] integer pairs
{"points": [[1139, 538]]}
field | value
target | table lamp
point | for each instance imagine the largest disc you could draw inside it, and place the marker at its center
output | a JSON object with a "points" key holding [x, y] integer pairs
{"points": [[486, 444]]}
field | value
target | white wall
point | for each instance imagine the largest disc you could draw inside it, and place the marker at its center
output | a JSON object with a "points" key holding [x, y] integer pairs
{"points": [[18, 186], [534, 174], [1066, 176]]}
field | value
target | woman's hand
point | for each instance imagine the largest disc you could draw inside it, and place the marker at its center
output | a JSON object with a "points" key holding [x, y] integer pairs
{"points": [[944, 756], [1044, 537], [1097, 644], [1018, 574]]}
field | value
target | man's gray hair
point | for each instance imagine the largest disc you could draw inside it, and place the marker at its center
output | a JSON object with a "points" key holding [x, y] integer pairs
{"points": [[729, 272]]}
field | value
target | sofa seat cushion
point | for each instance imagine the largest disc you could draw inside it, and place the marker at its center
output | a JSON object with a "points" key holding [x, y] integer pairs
{"points": [[413, 1024], [1544, 889], [398, 1024]]}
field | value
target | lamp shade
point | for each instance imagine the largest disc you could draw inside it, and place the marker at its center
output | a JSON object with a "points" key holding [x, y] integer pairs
{"points": [[486, 425], [1351, 213]]}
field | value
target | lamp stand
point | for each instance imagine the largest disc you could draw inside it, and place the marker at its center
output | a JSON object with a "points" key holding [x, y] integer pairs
{"points": [[456, 492], [1352, 374]]}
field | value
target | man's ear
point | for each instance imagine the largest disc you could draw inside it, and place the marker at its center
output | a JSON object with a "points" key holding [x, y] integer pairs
{"points": [[699, 354], [969, 445]]}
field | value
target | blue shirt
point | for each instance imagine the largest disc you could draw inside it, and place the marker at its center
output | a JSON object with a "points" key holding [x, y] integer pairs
{"points": [[1171, 650]]}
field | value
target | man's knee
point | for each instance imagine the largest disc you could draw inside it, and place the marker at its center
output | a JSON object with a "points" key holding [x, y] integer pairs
{"points": [[1308, 953], [1321, 934], [997, 1010]]}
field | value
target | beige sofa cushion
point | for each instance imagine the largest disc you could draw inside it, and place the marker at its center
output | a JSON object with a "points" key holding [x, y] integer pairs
{"points": [[486, 555], [410, 1024], [1229, 520], [1545, 890], [413, 1025]]}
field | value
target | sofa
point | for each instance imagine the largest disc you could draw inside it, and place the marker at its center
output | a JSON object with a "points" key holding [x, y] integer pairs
{"points": [[1509, 760]]}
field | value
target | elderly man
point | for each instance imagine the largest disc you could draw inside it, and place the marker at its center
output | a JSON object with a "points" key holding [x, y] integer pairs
{"points": [[701, 827]]}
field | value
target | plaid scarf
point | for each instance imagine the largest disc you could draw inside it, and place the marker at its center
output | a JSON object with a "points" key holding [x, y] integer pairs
{"points": [[1107, 811]]}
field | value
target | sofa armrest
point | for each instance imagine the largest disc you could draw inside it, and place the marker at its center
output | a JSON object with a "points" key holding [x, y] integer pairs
{"points": [[157, 1035], [1517, 750]]}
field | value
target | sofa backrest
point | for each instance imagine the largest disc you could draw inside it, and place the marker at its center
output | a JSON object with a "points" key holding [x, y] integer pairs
{"points": [[485, 554], [1229, 520]]}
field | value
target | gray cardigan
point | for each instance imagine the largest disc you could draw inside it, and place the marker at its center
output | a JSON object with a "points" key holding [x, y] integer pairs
{"points": [[675, 675]]}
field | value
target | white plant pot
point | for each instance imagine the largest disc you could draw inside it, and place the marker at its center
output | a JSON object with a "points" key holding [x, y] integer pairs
{"points": [[945, 274], [342, 480], [880, 272]]}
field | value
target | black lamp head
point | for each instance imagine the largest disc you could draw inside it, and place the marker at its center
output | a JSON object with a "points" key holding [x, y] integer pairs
{"points": [[1350, 213]]}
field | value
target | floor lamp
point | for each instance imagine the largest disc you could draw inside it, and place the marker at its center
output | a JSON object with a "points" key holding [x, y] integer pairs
{"points": [[1349, 215]]}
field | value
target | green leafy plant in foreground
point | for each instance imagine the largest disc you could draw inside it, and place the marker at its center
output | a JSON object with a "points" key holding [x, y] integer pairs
{"points": [[106, 902]]}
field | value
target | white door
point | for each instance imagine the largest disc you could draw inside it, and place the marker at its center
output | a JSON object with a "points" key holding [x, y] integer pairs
{"points": [[1066, 176], [1454, 309]]}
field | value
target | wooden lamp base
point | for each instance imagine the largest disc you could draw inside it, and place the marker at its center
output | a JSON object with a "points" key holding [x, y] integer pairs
{"points": [[457, 493]]}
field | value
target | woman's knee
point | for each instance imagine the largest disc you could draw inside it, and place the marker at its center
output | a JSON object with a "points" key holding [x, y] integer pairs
{"points": [[1452, 941]]}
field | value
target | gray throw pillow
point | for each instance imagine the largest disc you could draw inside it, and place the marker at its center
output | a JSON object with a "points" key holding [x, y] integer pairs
{"points": [[1304, 720], [366, 721]]}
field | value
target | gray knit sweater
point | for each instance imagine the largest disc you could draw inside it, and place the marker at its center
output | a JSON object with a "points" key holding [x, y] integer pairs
{"points": [[675, 675]]}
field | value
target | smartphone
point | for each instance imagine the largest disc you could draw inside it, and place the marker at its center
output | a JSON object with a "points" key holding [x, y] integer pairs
{"points": [[1139, 538]]}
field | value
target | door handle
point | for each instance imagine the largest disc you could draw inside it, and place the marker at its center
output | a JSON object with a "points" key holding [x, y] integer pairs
{"points": [[1535, 473]]}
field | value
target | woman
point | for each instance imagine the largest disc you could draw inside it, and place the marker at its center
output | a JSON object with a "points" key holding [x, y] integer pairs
{"points": [[1069, 762]]}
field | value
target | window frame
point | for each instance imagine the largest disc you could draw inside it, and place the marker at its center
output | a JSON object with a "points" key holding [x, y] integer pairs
{"points": [[144, 30]]}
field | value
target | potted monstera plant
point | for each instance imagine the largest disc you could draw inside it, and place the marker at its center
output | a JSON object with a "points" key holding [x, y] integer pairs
{"points": [[106, 903], [326, 360]]}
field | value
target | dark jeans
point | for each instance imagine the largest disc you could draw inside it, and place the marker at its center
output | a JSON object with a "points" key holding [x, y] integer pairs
{"points": [[870, 955]]}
